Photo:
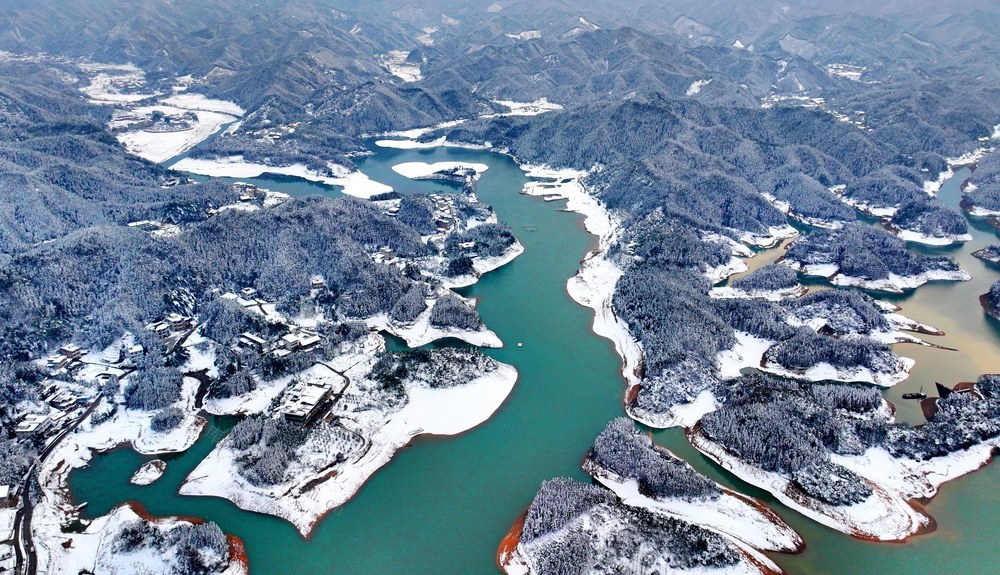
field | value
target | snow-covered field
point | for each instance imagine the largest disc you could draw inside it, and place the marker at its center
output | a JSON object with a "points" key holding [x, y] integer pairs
{"points": [[696, 87], [539, 106], [124, 87], [161, 146], [417, 170], [353, 183], [115, 83], [397, 64], [191, 101]]}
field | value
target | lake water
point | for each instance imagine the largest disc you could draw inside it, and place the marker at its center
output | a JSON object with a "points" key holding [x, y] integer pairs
{"points": [[443, 504]]}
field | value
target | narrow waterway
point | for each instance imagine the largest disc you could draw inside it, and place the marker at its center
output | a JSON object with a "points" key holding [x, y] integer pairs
{"points": [[964, 542], [442, 505]]}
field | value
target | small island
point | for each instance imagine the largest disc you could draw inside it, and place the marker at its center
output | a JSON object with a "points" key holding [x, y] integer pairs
{"points": [[868, 258], [990, 254], [149, 472], [650, 507], [835, 454], [991, 301]]}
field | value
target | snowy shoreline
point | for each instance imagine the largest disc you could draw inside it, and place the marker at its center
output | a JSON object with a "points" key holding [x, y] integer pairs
{"points": [[126, 427], [593, 286], [888, 514], [305, 500], [731, 515], [94, 549], [892, 284], [482, 266]]}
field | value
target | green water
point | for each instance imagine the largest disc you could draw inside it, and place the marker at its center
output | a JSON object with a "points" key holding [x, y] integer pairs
{"points": [[443, 505]]}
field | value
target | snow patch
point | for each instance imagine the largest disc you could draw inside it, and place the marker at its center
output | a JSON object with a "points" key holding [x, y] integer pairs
{"points": [[354, 183]]}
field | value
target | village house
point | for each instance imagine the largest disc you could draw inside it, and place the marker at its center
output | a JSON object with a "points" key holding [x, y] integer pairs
{"points": [[179, 322], [58, 362], [134, 354], [32, 424], [300, 340], [384, 255], [248, 192], [72, 351], [251, 342]]}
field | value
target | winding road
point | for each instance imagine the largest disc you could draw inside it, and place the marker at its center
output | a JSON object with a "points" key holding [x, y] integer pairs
{"points": [[24, 548]]}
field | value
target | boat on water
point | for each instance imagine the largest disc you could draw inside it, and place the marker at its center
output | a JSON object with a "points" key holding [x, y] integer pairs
{"points": [[915, 394]]}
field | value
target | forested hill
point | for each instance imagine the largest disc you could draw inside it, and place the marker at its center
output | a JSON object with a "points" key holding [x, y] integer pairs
{"points": [[61, 170]]}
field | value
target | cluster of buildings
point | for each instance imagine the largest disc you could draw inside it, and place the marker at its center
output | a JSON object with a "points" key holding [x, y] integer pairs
{"points": [[298, 339], [306, 399], [385, 255], [173, 323], [67, 357], [445, 213], [62, 400]]}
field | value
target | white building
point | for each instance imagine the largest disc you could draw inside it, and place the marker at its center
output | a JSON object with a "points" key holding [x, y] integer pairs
{"points": [[303, 401], [251, 341], [32, 424], [134, 354]]}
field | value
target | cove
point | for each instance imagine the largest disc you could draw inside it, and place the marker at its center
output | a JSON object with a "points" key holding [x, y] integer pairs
{"points": [[444, 504]]}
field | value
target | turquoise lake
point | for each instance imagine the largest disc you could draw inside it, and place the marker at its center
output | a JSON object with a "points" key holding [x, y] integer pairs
{"points": [[443, 504]]}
